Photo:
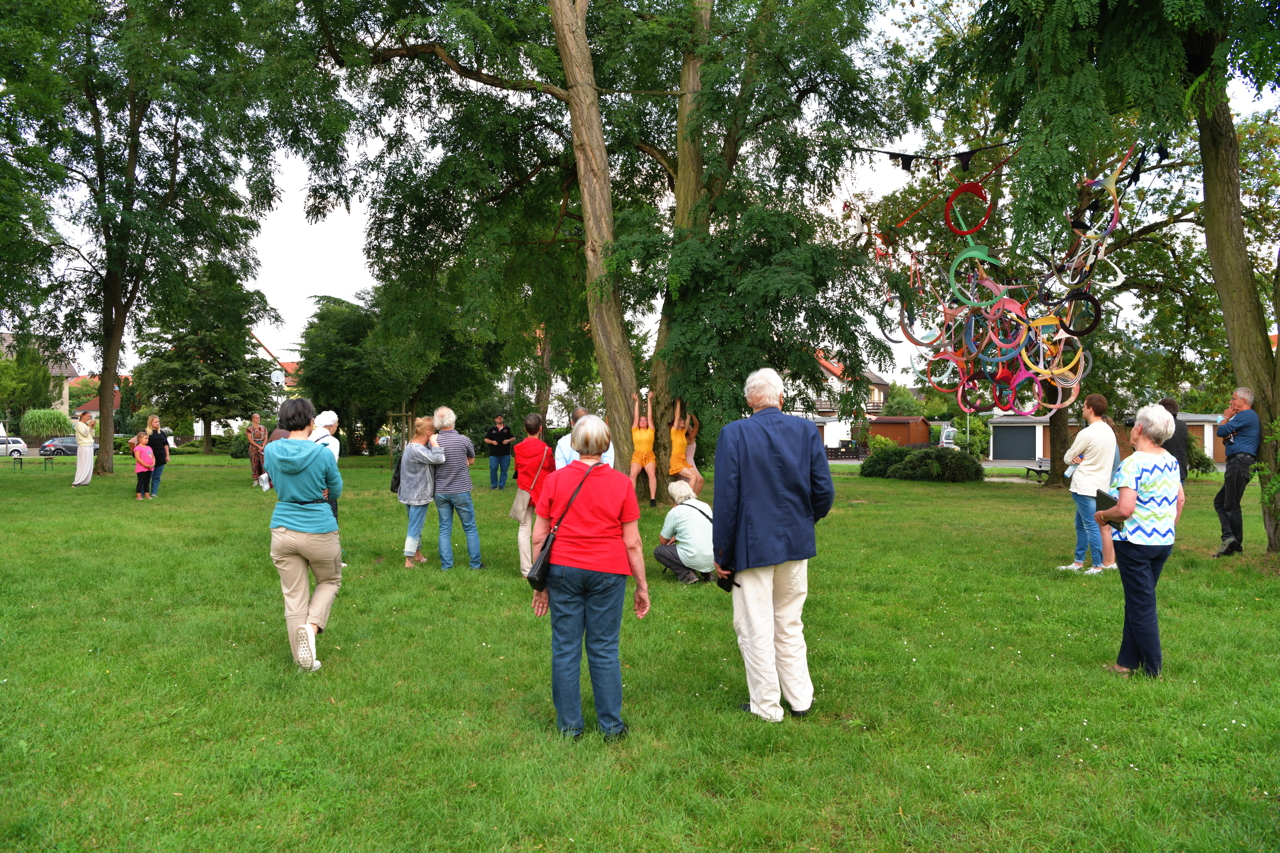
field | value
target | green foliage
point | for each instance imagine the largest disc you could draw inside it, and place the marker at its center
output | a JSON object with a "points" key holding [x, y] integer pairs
{"points": [[937, 465], [880, 461], [901, 403], [45, 423], [25, 382], [1198, 461], [204, 363], [82, 392], [238, 446], [878, 443]]}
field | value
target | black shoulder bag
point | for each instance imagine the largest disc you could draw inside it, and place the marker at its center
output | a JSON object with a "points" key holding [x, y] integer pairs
{"points": [[537, 576]]}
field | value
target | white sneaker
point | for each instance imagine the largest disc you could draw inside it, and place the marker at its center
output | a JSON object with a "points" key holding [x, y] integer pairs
{"points": [[314, 666], [1074, 567], [306, 646], [1094, 571]]}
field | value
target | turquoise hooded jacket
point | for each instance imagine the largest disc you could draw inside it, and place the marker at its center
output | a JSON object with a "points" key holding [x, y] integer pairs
{"points": [[300, 471]]}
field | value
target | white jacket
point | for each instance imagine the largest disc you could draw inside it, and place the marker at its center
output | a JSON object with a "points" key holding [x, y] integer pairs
{"points": [[1097, 444]]}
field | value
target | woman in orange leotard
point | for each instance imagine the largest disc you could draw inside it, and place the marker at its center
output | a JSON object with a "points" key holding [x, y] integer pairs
{"points": [[680, 465], [642, 458]]}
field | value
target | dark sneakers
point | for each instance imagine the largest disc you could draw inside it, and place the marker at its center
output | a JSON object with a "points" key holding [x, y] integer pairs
{"points": [[799, 715], [1229, 547]]}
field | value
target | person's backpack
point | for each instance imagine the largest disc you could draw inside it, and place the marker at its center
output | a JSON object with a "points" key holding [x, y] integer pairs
{"points": [[395, 473]]}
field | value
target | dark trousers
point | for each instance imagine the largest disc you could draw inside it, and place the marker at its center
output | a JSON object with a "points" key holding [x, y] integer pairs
{"points": [[1140, 567], [1227, 500], [669, 556], [144, 482]]}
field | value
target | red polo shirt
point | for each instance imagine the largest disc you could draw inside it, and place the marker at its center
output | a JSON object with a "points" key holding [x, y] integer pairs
{"points": [[591, 535]]}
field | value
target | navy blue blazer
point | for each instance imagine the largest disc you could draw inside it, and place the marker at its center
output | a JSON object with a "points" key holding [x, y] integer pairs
{"points": [[772, 483]]}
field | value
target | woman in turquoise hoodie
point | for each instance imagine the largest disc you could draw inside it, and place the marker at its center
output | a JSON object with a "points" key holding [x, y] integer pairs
{"points": [[304, 533]]}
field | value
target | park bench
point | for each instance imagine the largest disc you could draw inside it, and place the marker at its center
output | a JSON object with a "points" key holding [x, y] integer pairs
{"points": [[1039, 469]]}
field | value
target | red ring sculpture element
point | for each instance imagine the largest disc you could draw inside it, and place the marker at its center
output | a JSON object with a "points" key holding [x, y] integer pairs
{"points": [[973, 189]]}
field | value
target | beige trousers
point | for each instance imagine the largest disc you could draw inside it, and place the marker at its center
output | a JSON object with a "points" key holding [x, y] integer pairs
{"points": [[293, 553], [524, 541], [767, 609], [84, 465]]}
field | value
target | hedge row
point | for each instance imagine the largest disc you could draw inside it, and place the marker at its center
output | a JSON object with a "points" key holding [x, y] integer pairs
{"points": [[933, 464]]}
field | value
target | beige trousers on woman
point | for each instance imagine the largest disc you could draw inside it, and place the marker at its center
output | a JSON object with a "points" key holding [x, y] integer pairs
{"points": [[524, 541], [293, 553]]}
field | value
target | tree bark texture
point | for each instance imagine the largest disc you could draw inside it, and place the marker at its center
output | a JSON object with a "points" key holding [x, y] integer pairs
{"points": [[1059, 442], [112, 343], [1246, 323], [542, 394], [604, 302], [690, 223], [206, 446]]}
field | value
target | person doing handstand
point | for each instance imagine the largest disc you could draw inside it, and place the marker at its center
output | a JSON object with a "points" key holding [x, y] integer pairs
{"points": [[642, 458]]}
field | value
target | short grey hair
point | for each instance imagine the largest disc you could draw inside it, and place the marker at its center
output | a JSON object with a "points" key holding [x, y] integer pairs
{"points": [[577, 415], [590, 436], [680, 491], [1245, 394], [1156, 423], [445, 418], [763, 388]]}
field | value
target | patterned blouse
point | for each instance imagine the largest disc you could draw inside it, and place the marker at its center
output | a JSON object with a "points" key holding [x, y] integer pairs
{"points": [[257, 433], [1155, 477]]}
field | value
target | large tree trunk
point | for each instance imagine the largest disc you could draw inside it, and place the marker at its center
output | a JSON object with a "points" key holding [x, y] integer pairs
{"points": [[542, 393], [1246, 323], [206, 446], [690, 223], [604, 303], [113, 340], [1059, 441]]}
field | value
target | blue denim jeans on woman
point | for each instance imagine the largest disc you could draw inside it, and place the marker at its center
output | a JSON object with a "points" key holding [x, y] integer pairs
{"points": [[1140, 567], [586, 607], [446, 506], [155, 479], [1088, 536], [413, 539]]}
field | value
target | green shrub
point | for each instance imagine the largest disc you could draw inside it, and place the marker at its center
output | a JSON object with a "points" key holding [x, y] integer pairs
{"points": [[880, 461], [191, 449], [1198, 462], [881, 442], [937, 465], [238, 446], [45, 423], [378, 450], [121, 443]]}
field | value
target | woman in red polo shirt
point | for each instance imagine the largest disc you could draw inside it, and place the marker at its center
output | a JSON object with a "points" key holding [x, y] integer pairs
{"points": [[535, 461], [597, 546]]}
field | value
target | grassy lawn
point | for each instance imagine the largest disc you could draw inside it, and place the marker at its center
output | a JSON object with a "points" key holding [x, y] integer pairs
{"points": [[148, 701]]}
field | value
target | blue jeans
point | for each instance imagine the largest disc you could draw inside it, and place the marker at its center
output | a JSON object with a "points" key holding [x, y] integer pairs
{"points": [[155, 479], [496, 462], [1140, 567], [1088, 535], [446, 505], [586, 605], [413, 539]]}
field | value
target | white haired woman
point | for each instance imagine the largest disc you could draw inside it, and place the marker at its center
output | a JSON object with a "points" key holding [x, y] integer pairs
{"points": [[418, 484], [597, 546], [1150, 504], [685, 541]]}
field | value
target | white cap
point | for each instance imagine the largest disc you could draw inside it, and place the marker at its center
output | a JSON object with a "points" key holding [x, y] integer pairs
{"points": [[326, 418]]}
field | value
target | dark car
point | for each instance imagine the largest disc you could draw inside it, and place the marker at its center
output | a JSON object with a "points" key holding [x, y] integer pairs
{"points": [[62, 446]]}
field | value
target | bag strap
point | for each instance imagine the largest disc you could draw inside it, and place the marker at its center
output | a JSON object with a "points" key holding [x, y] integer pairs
{"points": [[538, 473], [575, 494], [700, 512]]}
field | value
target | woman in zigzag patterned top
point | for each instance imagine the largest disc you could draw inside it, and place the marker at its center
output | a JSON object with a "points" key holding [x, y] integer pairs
{"points": [[1150, 504]]}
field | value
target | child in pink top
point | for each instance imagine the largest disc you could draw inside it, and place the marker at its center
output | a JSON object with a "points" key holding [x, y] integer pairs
{"points": [[144, 461]]}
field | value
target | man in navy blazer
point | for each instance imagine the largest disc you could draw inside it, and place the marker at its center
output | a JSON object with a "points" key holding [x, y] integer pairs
{"points": [[772, 483]]}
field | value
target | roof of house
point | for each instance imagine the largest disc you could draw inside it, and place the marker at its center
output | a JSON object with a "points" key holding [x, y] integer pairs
{"points": [[59, 365], [95, 404], [836, 369], [290, 369]]}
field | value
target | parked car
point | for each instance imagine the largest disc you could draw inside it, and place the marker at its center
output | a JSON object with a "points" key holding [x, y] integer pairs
{"points": [[13, 446], [948, 437], [62, 446]]}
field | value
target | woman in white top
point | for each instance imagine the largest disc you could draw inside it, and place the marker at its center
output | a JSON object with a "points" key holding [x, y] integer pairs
{"points": [[326, 426], [1093, 454]]}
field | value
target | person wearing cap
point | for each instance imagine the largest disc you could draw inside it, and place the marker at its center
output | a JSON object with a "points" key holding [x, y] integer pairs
{"points": [[326, 426]]}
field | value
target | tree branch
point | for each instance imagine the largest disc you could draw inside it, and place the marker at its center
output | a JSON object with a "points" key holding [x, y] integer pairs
{"points": [[415, 51], [664, 159], [519, 182]]}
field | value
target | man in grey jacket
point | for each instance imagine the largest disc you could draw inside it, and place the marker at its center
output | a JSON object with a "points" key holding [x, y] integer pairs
{"points": [[418, 484]]}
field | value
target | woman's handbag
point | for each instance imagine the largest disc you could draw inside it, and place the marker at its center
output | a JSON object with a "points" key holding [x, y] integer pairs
{"points": [[537, 576], [520, 505]]}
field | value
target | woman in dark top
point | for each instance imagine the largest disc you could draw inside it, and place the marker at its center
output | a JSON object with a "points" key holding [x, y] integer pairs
{"points": [[1177, 444], [159, 444]]}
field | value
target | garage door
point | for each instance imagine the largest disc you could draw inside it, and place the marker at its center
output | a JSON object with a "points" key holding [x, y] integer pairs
{"points": [[1013, 442]]}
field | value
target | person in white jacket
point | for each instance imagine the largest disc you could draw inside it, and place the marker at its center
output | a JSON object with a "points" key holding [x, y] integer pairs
{"points": [[1093, 453]]}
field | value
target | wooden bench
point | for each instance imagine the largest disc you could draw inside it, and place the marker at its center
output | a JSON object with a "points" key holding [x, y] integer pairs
{"points": [[1040, 469]]}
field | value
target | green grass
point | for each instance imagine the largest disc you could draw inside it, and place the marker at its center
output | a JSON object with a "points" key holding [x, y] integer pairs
{"points": [[148, 702]]}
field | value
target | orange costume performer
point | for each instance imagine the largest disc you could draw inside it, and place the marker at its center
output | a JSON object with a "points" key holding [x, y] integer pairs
{"points": [[642, 444], [679, 444]]}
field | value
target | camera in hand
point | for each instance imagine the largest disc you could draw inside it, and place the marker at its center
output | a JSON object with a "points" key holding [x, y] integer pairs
{"points": [[1129, 422]]}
